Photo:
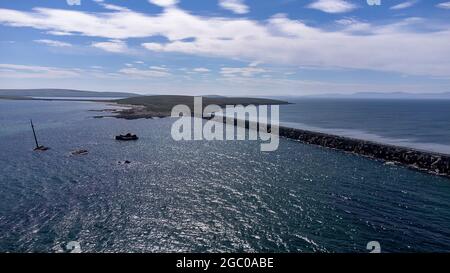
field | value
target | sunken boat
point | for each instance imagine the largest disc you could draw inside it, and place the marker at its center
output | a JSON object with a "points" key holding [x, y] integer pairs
{"points": [[127, 137], [38, 147]]}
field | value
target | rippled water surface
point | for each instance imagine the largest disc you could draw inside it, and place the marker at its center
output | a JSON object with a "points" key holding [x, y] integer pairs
{"points": [[200, 196]]}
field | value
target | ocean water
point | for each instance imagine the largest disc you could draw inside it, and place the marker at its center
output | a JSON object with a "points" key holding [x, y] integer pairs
{"points": [[420, 124], [200, 196]]}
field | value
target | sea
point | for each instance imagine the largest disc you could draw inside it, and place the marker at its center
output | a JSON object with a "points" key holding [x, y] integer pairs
{"points": [[219, 196], [414, 123]]}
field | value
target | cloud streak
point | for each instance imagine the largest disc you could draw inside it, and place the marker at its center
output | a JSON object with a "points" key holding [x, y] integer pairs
{"points": [[53, 43], [144, 73], [115, 46], [164, 3], [444, 5], [201, 70], [15, 71], [236, 6], [332, 6], [403, 5]]}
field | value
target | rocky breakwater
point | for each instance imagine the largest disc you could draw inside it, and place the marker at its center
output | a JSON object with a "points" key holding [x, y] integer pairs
{"points": [[434, 163]]}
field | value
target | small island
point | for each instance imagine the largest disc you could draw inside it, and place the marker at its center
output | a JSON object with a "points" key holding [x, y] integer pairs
{"points": [[160, 106]]}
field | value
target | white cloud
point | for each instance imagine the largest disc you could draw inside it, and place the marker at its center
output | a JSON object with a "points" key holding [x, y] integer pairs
{"points": [[142, 73], [201, 70], [114, 7], [35, 72], [444, 5], [395, 47], [160, 68], [59, 33], [164, 3], [236, 6], [404, 5], [73, 2], [111, 6], [53, 43], [241, 71], [255, 63], [354, 25], [153, 46], [114, 46], [346, 21], [332, 6]]}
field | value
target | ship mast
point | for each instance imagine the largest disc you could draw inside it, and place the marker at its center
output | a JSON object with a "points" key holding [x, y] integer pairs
{"points": [[34, 134]]}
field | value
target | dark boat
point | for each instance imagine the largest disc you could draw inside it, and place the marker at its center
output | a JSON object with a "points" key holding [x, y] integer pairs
{"points": [[127, 137], [38, 147]]}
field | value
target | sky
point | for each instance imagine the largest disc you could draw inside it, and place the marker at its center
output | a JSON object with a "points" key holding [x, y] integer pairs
{"points": [[226, 47]]}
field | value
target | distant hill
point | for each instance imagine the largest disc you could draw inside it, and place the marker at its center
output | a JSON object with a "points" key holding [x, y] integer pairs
{"points": [[393, 95], [213, 96], [61, 93]]}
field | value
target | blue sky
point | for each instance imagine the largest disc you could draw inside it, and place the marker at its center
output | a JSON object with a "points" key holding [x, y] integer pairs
{"points": [[228, 47]]}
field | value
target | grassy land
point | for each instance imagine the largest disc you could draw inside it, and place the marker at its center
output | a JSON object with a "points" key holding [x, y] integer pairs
{"points": [[161, 106]]}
